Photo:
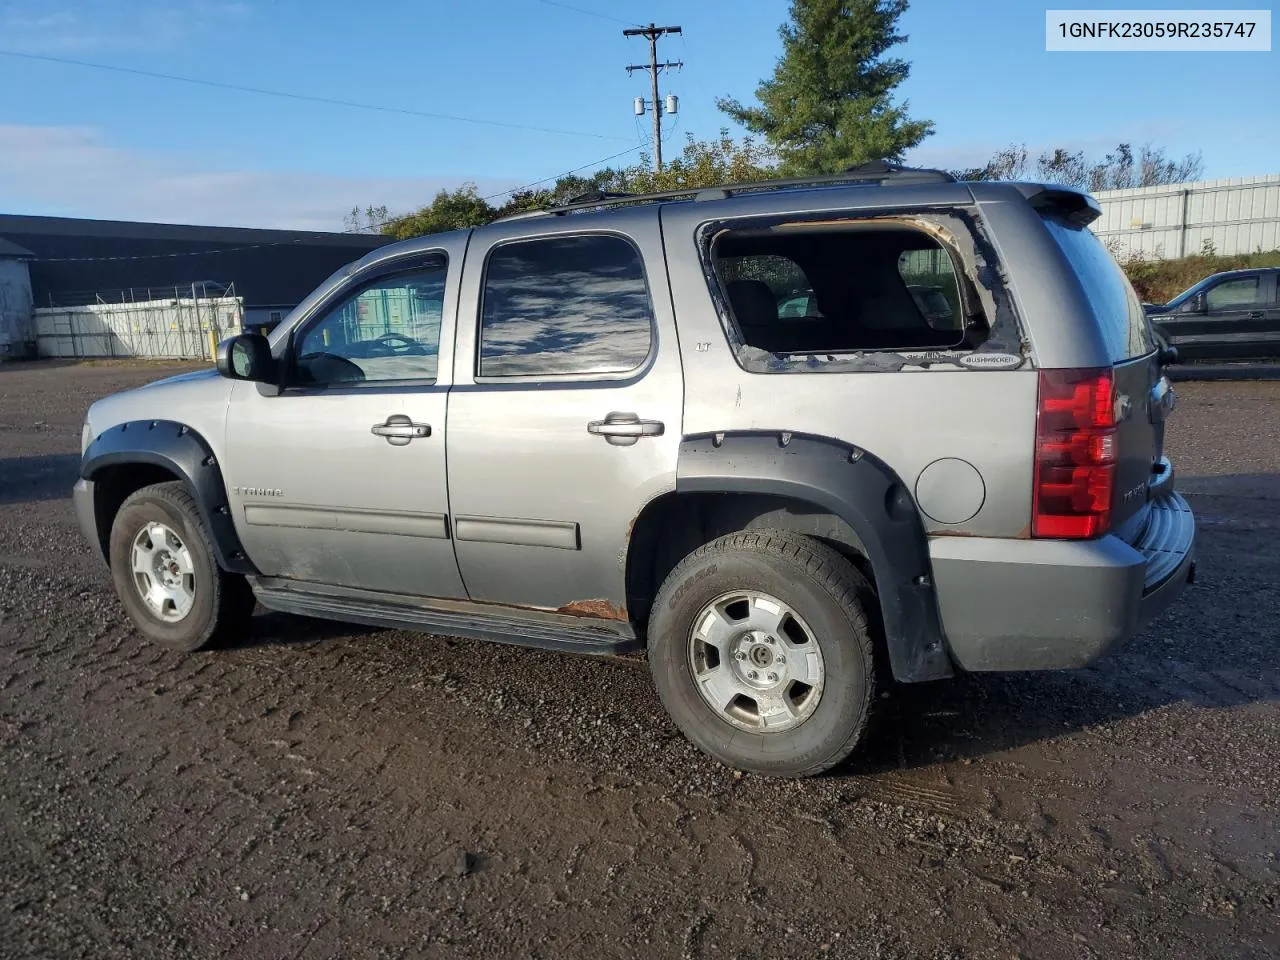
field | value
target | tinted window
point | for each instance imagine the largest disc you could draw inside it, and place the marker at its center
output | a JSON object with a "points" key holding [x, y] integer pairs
{"points": [[1232, 293], [564, 305], [1116, 307], [387, 330]]}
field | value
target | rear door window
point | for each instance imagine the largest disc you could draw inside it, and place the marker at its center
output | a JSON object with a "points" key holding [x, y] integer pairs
{"points": [[829, 289], [565, 305], [1115, 305]]}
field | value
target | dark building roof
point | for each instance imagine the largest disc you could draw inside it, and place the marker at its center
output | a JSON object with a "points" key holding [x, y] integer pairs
{"points": [[268, 267], [14, 252]]}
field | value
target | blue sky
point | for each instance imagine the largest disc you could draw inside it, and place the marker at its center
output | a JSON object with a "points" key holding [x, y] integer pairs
{"points": [[83, 142]]}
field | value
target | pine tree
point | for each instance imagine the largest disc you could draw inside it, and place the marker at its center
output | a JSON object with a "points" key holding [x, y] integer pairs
{"points": [[829, 104]]}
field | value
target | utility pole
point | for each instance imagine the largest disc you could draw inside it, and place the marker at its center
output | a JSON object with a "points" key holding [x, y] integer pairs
{"points": [[653, 32]]}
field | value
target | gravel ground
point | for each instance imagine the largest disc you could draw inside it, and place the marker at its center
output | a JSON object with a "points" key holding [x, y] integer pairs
{"points": [[322, 791]]}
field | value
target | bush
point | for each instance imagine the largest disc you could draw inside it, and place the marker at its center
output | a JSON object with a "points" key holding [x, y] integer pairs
{"points": [[1158, 281]]}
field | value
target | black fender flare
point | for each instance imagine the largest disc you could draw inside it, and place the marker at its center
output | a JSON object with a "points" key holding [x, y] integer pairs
{"points": [[187, 455], [862, 490]]}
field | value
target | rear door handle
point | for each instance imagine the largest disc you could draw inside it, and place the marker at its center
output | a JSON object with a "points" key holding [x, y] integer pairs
{"points": [[624, 429], [399, 430]]}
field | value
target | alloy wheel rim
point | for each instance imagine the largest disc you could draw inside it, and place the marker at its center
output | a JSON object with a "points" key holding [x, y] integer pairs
{"points": [[755, 662], [163, 573]]}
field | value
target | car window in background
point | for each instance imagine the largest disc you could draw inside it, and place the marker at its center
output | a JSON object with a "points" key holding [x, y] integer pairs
{"points": [[931, 279], [1233, 293], [564, 305]]}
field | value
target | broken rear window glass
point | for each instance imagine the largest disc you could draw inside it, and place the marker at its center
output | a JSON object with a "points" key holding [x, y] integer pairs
{"points": [[838, 288]]}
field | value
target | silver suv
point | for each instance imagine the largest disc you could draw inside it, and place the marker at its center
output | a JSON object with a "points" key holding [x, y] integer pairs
{"points": [[595, 428]]}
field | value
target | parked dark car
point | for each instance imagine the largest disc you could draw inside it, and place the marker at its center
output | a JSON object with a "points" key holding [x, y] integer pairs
{"points": [[1229, 316]]}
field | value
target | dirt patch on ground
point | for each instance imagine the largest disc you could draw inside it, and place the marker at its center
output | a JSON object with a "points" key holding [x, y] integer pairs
{"points": [[320, 791]]}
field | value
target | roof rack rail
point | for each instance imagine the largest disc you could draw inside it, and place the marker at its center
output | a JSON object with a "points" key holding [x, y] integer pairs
{"points": [[875, 171], [599, 196]]}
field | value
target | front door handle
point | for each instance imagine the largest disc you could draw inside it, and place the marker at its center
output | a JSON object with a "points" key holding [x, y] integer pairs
{"points": [[624, 429], [399, 430], [1256, 315]]}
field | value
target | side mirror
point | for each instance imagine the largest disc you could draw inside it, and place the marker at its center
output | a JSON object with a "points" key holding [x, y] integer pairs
{"points": [[246, 356], [1200, 303]]}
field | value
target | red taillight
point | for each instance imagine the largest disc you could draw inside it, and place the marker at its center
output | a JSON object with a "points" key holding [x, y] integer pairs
{"points": [[1075, 454]]}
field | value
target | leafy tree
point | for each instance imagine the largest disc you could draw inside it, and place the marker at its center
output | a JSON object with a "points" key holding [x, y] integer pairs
{"points": [[450, 210], [702, 163], [1151, 166], [1009, 163], [562, 191], [829, 104], [368, 220]]}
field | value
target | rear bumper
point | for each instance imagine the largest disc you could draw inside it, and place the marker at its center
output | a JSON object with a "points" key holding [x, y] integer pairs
{"points": [[1055, 604], [82, 500]]}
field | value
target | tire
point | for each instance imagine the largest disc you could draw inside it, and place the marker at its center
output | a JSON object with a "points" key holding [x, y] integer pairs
{"points": [[193, 602], [825, 601]]}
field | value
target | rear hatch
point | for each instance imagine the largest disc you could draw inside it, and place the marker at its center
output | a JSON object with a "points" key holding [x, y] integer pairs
{"points": [[1141, 398], [1141, 394]]}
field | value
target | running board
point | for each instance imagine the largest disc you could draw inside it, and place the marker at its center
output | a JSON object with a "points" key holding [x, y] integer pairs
{"points": [[460, 618]]}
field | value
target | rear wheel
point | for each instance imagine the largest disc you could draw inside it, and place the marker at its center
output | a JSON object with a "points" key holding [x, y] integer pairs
{"points": [[165, 573], [760, 650]]}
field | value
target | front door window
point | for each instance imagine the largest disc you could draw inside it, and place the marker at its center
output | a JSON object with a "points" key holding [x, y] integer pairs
{"points": [[1232, 294], [387, 330]]}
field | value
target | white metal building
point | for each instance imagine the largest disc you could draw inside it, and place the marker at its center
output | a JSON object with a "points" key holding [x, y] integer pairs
{"points": [[1236, 215]]}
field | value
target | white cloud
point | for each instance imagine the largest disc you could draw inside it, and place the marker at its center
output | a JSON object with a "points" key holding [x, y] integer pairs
{"points": [[63, 27], [73, 171]]}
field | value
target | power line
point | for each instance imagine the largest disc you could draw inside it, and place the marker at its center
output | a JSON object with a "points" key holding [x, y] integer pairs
{"points": [[559, 176], [330, 101], [589, 13]]}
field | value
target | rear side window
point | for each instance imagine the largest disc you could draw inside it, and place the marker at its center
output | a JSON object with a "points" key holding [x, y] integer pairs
{"points": [[1115, 305], [564, 305], [831, 289]]}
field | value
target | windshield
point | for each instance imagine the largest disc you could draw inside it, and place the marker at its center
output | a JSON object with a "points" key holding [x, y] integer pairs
{"points": [[1115, 305]]}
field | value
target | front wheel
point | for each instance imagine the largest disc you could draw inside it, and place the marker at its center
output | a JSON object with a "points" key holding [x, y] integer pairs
{"points": [[761, 652], [165, 573]]}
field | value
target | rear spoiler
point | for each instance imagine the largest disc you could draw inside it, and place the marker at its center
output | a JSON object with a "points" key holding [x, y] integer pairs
{"points": [[1072, 205]]}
